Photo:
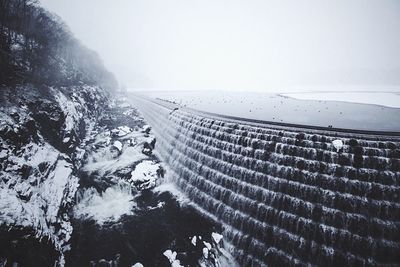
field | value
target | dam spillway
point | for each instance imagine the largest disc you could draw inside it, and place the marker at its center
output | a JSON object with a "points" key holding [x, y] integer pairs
{"points": [[285, 195]]}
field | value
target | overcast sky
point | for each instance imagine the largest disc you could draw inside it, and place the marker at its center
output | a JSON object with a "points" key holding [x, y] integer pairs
{"points": [[241, 44]]}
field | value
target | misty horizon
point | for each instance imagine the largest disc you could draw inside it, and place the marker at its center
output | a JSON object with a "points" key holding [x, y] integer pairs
{"points": [[272, 46]]}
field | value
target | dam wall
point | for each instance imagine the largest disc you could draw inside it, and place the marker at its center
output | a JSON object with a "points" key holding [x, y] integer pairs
{"points": [[285, 195]]}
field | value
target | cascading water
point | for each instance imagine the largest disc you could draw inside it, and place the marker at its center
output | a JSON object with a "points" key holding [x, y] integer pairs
{"points": [[286, 196]]}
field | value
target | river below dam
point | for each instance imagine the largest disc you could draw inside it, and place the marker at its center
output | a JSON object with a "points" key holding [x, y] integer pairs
{"points": [[126, 212]]}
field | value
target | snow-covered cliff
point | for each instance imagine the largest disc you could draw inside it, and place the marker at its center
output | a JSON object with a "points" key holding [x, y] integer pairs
{"points": [[42, 136], [52, 91]]}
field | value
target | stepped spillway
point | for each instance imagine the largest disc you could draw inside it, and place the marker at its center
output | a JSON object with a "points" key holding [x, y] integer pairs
{"points": [[285, 194]]}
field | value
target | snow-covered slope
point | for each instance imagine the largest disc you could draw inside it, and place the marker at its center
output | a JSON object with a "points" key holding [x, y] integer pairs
{"points": [[41, 135]]}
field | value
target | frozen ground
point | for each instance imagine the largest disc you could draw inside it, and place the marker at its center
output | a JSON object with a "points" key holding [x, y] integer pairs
{"points": [[377, 111]]}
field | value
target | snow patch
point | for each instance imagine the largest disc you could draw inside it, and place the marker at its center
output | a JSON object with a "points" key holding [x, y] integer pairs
{"points": [[69, 108], [217, 237], [337, 144], [205, 253], [208, 245], [145, 173], [171, 256], [121, 131], [40, 206], [118, 145], [194, 241]]}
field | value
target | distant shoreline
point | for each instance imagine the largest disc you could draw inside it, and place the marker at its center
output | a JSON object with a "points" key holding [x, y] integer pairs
{"points": [[385, 99]]}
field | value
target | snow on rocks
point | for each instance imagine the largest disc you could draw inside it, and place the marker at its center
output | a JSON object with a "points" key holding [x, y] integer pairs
{"points": [[38, 207], [205, 252], [145, 174], [70, 109], [146, 129], [216, 237], [121, 131], [176, 263], [118, 145], [129, 112], [337, 144], [194, 240], [158, 206], [102, 162], [107, 140], [127, 149], [208, 245], [210, 251], [38, 182], [3, 154], [132, 142], [148, 145], [171, 256]]}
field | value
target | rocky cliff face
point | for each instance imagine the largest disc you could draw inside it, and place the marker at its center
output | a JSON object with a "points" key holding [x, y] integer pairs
{"points": [[52, 91], [42, 136]]}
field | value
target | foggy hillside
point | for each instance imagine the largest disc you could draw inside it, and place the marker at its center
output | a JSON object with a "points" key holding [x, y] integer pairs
{"points": [[38, 48]]}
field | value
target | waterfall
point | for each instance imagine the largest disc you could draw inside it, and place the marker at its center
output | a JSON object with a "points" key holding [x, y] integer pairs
{"points": [[286, 195]]}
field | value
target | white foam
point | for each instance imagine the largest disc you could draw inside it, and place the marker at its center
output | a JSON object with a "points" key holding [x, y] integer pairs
{"points": [[129, 156], [173, 189], [104, 207]]}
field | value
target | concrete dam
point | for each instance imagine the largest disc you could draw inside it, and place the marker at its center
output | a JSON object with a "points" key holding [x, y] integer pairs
{"points": [[286, 195]]}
